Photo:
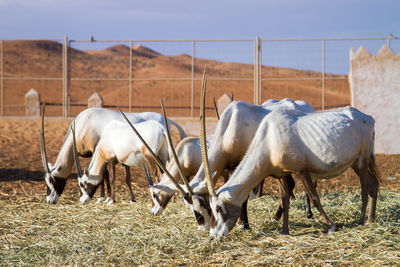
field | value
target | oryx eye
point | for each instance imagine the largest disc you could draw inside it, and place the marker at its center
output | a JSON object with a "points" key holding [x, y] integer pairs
{"points": [[81, 185]]}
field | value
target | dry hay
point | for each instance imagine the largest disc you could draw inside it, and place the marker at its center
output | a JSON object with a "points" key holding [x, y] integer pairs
{"points": [[35, 233]]}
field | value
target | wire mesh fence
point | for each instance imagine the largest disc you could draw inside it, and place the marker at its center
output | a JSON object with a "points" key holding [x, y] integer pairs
{"points": [[136, 74]]}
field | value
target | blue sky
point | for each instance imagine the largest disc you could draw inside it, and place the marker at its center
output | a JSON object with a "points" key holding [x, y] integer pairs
{"points": [[216, 19]]}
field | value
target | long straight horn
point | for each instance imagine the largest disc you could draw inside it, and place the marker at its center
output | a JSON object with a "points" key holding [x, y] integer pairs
{"points": [[158, 161], [216, 108], [171, 145], [77, 164], [148, 175], [204, 155], [43, 143]]}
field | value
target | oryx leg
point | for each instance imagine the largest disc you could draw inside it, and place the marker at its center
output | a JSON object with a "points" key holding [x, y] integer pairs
{"points": [[309, 212], [285, 201], [373, 188], [102, 189], [243, 216], [291, 184], [312, 193], [102, 192], [128, 182], [363, 175], [260, 188], [111, 169], [369, 185]]}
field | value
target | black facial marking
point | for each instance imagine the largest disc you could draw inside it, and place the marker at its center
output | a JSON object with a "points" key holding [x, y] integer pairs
{"points": [[218, 209], [156, 197], [205, 205], [58, 184], [199, 218]]}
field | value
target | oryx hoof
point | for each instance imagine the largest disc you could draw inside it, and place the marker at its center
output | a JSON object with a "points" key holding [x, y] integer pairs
{"points": [[99, 200], [246, 227], [332, 229]]}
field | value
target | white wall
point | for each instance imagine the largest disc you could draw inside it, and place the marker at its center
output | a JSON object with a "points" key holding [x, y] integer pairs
{"points": [[375, 90]]}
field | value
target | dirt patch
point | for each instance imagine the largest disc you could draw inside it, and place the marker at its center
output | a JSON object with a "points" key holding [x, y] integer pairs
{"points": [[21, 167]]}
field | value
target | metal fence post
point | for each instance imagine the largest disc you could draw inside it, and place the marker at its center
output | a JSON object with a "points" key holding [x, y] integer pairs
{"points": [[257, 68], [130, 77], [65, 101], [192, 92], [260, 71], [255, 72], [323, 75], [1, 79]]}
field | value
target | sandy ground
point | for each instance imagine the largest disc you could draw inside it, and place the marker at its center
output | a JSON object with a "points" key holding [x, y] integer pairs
{"points": [[21, 169]]}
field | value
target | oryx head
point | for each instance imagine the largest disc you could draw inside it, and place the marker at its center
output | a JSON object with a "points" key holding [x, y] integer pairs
{"points": [[223, 217], [160, 194], [55, 185], [86, 185]]}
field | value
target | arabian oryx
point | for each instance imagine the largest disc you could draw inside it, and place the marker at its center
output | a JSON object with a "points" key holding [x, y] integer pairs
{"points": [[319, 145], [90, 124], [118, 144]]}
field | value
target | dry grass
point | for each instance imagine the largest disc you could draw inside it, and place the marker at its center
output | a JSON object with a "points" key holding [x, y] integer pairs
{"points": [[35, 233]]}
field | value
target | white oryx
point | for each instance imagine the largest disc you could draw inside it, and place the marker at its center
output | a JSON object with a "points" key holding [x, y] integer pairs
{"points": [[118, 144], [90, 124], [317, 145]]}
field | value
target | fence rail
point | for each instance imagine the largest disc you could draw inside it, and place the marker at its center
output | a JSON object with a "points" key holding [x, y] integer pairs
{"points": [[66, 72]]}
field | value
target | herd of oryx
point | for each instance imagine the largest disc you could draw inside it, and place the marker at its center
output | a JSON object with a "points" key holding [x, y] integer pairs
{"points": [[287, 140]]}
